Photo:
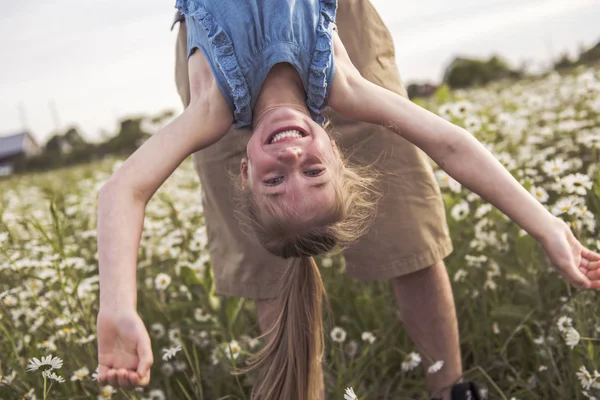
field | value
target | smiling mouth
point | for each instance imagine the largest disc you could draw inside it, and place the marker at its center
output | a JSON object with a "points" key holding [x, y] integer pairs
{"points": [[286, 135]]}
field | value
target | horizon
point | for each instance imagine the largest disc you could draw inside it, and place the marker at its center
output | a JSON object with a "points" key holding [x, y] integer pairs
{"points": [[121, 61]]}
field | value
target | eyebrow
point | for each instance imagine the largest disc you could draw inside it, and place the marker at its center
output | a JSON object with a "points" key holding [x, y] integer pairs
{"points": [[319, 185]]}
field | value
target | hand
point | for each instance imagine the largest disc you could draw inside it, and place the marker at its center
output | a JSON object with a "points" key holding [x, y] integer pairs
{"points": [[576, 264], [124, 350]]}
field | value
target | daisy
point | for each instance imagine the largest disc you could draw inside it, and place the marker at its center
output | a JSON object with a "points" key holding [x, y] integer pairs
{"points": [[162, 281], [80, 374], [564, 323], [51, 375], [473, 124], [327, 262], [567, 205], [167, 369], [106, 392], [157, 330], [577, 183], [585, 378], [233, 350], [460, 211], [170, 352], [435, 367], [350, 395], [157, 394], [411, 362], [539, 193], [338, 334], [368, 337], [200, 315], [496, 328], [52, 362], [572, 337], [555, 167], [460, 275]]}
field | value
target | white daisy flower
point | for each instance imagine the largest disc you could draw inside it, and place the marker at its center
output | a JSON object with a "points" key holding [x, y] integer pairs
{"points": [[106, 392], [200, 315], [496, 328], [585, 378], [564, 323], [482, 210], [435, 367], [368, 337], [462, 109], [233, 350], [460, 275], [411, 362], [338, 334], [539, 193], [170, 352], [577, 183], [473, 124], [80, 374], [51, 375], [567, 205], [157, 330], [327, 262], [52, 362], [555, 167], [460, 211], [572, 337], [162, 281], [350, 395], [167, 369], [157, 394]]}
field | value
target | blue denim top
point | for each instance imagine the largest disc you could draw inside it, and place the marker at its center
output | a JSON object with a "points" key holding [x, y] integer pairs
{"points": [[243, 39]]}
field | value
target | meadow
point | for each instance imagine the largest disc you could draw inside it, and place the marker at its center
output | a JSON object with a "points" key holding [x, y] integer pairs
{"points": [[525, 333]]}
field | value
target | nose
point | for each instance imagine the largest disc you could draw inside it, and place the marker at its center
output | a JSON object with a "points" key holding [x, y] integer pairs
{"points": [[290, 154]]}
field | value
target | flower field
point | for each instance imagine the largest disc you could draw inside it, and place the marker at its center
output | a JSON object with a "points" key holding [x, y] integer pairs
{"points": [[525, 334]]}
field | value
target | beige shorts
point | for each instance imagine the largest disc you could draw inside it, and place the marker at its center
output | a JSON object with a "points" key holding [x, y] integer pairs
{"points": [[410, 230]]}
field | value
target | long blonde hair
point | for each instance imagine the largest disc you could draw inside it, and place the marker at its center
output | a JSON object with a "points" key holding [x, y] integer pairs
{"points": [[289, 365]]}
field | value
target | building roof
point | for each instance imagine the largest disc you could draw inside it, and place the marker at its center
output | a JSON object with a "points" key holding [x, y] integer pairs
{"points": [[13, 144]]}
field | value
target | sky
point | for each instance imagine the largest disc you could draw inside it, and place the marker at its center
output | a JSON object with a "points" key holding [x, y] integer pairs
{"points": [[90, 63]]}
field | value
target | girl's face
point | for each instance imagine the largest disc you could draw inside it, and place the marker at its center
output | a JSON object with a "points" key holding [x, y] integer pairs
{"points": [[291, 162]]}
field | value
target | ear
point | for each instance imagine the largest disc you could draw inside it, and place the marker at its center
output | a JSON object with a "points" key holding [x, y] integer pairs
{"points": [[244, 172]]}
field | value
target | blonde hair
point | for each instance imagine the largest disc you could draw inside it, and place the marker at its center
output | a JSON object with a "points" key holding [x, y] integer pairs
{"points": [[290, 363]]}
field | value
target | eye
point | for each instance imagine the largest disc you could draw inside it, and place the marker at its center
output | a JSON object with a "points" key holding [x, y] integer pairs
{"points": [[273, 181], [313, 172]]}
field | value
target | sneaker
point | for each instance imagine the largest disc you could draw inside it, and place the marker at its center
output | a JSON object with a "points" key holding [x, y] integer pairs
{"points": [[465, 391]]}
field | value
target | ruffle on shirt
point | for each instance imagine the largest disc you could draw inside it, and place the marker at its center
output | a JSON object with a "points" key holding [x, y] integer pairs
{"points": [[321, 61], [225, 59]]}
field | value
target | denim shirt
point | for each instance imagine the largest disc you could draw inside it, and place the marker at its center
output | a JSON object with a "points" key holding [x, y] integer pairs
{"points": [[243, 39]]}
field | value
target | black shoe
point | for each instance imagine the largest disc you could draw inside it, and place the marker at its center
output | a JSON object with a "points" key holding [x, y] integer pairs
{"points": [[465, 391]]}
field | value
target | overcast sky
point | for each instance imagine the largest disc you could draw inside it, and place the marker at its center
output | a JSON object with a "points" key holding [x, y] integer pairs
{"points": [[93, 62]]}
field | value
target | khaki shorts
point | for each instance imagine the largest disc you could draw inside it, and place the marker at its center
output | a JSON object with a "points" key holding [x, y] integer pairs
{"points": [[410, 230]]}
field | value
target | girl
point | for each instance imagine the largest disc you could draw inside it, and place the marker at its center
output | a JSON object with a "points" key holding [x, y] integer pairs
{"points": [[271, 64]]}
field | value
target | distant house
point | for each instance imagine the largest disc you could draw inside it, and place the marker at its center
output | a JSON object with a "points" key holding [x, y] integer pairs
{"points": [[15, 146]]}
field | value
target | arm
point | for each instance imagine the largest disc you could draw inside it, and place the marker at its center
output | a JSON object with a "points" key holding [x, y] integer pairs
{"points": [[122, 200], [464, 158]]}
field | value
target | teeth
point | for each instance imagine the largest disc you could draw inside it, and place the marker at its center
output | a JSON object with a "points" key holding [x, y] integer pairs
{"points": [[286, 134]]}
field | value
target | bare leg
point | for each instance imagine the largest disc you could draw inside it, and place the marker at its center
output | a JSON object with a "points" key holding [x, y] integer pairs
{"points": [[427, 310], [267, 314]]}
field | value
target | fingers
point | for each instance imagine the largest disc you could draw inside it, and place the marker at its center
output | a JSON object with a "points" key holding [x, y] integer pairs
{"points": [[146, 360], [590, 255], [593, 274]]}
